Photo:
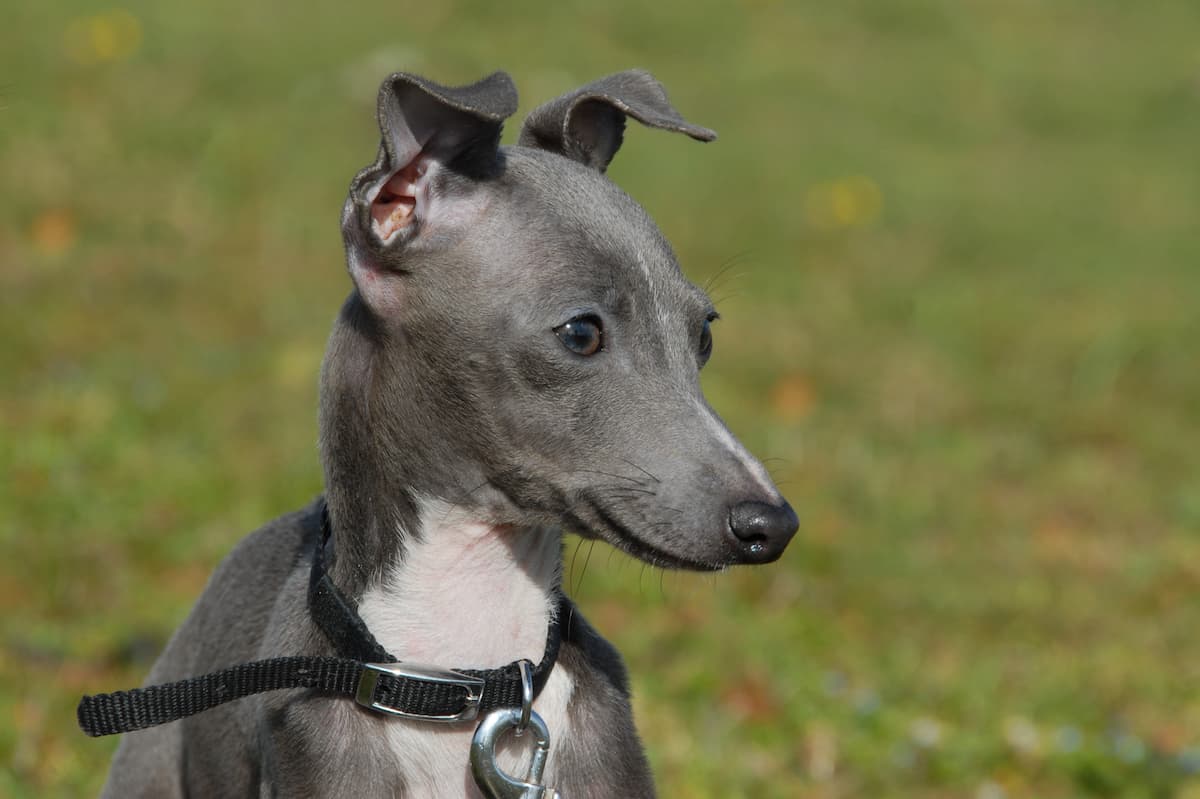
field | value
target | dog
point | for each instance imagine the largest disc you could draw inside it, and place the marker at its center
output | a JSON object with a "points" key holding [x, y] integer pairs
{"points": [[519, 354]]}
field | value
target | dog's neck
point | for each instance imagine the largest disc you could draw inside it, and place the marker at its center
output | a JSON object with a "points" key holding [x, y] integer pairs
{"points": [[465, 593], [437, 580]]}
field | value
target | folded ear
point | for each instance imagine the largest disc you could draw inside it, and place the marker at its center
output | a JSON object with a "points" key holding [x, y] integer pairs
{"points": [[587, 124], [426, 129]]}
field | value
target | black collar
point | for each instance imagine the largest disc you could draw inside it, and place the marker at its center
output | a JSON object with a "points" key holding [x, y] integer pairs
{"points": [[363, 670]]}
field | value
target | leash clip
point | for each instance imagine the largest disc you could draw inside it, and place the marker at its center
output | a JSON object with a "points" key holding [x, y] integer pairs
{"points": [[368, 683], [494, 783]]}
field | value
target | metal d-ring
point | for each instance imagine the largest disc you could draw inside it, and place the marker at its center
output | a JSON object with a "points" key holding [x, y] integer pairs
{"points": [[526, 669]]}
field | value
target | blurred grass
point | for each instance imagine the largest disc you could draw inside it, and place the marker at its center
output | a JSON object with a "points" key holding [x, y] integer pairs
{"points": [[955, 247]]}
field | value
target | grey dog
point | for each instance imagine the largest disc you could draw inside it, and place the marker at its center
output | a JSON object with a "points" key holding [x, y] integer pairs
{"points": [[519, 354]]}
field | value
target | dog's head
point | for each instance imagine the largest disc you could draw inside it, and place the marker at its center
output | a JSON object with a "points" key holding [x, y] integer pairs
{"points": [[521, 340]]}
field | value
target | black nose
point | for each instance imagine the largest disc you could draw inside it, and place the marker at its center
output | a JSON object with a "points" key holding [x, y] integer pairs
{"points": [[762, 531]]}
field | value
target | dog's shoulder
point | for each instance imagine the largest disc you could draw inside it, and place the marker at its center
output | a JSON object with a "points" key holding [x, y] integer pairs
{"points": [[593, 651], [275, 548], [601, 709], [226, 626], [228, 620]]}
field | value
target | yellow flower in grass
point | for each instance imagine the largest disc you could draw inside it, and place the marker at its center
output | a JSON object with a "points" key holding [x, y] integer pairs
{"points": [[847, 202], [102, 38]]}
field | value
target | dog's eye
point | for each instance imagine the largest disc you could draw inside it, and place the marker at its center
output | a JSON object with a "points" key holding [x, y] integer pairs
{"points": [[582, 335], [706, 343]]}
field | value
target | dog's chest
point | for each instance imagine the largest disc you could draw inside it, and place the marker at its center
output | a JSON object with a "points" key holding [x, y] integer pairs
{"points": [[468, 596]]}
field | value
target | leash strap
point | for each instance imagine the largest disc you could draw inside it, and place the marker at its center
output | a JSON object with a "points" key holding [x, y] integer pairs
{"points": [[365, 673], [413, 696]]}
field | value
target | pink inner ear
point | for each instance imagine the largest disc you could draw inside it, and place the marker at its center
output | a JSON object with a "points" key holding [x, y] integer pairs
{"points": [[392, 208]]}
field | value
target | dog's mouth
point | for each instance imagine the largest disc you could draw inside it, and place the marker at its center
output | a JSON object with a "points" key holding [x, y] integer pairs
{"points": [[596, 521]]}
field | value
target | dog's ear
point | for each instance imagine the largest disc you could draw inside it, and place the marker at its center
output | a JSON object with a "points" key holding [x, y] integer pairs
{"points": [[587, 124], [429, 132]]}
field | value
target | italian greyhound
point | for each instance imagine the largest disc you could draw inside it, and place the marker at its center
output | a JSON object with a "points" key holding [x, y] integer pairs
{"points": [[520, 354]]}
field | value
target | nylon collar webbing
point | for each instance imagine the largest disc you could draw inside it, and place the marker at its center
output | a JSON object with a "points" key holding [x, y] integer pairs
{"points": [[363, 670]]}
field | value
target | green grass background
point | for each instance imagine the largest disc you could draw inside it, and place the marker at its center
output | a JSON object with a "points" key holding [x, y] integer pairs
{"points": [[955, 247]]}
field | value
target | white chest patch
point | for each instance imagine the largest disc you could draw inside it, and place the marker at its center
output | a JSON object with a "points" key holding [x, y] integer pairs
{"points": [[469, 595]]}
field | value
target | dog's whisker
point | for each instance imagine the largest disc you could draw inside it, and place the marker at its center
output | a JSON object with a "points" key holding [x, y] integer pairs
{"points": [[633, 480], [735, 260], [643, 471], [586, 560], [727, 284], [574, 555], [724, 298], [461, 503], [629, 490], [625, 496]]}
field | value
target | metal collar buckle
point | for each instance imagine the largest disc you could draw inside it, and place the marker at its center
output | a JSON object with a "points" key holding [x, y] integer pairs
{"points": [[367, 682]]}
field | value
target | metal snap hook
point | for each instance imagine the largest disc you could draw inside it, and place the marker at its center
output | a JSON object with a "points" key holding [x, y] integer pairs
{"points": [[493, 782]]}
